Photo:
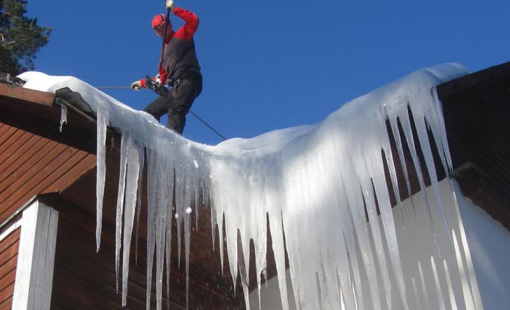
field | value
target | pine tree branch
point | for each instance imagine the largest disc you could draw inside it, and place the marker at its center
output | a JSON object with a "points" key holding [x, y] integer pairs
{"points": [[5, 42]]}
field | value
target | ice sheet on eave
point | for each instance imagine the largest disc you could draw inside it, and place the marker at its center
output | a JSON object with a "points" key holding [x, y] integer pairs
{"points": [[315, 181]]}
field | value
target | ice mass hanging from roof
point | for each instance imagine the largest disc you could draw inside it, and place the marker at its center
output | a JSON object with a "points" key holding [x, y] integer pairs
{"points": [[326, 191]]}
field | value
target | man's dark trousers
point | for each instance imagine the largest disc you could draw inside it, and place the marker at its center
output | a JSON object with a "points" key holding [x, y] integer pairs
{"points": [[178, 102]]}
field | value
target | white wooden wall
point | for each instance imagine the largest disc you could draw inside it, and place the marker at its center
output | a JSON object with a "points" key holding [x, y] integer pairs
{"points": [[34, 274]]}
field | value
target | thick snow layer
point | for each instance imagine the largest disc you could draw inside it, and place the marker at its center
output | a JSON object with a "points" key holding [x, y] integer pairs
{"points": [[314, 181]]}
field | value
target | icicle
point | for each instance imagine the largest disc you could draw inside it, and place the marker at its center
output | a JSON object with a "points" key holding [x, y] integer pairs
{"points": [[390, 233], [232, 250], [367, 190], [314, 182], [124, 148], [102, 118], [161, 226], [351, 253], [364, 244], [400, 150], [424, 287], [439, 290], [244, 273], [275, 226], [133, 173], [63, 116], [453, 302], [467, 252], [187, 240], [168, 252], [153, 184], [168, 198], [468, 297], [406, 125], [139, 206], [416, 295], [436, 121], [388, 158], [431, 168]]}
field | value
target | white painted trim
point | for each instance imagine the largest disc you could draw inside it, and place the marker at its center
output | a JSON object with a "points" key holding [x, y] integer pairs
{"points": [[9, 230], [36, 257]]}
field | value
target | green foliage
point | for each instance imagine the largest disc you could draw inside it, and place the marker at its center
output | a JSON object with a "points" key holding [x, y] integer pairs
{"points": [[20, 37]]}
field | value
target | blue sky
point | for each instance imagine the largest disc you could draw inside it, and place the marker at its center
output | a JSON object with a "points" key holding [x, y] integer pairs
{"points": [[272, 64]]}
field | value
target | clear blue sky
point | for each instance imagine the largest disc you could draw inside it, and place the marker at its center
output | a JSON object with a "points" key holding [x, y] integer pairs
{"points": [[272, 64]]}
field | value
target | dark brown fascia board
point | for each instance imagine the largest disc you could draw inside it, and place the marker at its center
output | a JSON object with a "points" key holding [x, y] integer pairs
{"points": [[447, 89], [28, 95], [46, 106]]}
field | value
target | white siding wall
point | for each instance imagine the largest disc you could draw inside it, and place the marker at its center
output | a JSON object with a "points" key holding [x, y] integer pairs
{"points": [[36, 256], [489, 247]]}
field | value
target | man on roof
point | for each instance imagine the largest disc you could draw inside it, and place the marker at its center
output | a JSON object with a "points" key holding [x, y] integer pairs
{"points": [[178, 68]]}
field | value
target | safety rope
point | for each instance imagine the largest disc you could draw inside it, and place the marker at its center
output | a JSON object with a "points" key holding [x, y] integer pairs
{"points": [[113, 87], [205, 123]]}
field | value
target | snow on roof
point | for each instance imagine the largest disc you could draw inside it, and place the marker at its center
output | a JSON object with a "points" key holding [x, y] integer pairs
{"points": [[316, 181]]}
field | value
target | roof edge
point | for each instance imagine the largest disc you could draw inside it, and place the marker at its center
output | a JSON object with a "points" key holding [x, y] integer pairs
{"points": [[449, 88], [16, 92]]}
